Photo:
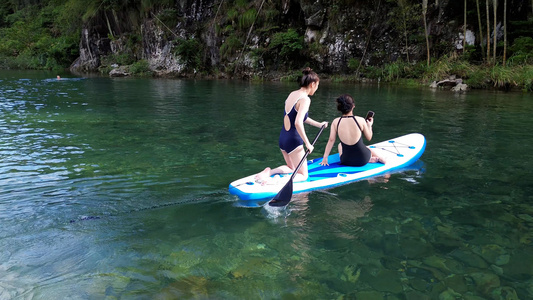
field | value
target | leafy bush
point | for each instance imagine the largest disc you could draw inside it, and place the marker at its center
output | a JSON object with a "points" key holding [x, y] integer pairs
{"points": [[526, 77], [140, 67], [438, 70], [392, 71], [478, 78], [288, 43], [35, 40], [247, 19], [189, 50], [461, 68], [353, 64], [522, 51], [502, 77], [230, 46], [372, 72]]}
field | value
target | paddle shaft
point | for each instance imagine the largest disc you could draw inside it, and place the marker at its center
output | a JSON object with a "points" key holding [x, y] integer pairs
{"points": [[306, 153], [285, 194]]}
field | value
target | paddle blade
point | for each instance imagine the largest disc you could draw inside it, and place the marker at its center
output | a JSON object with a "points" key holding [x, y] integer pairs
{"points": [[283, 197]]}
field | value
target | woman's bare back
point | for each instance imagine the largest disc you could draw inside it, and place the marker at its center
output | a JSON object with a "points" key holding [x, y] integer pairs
{"points": [[348, 131]]}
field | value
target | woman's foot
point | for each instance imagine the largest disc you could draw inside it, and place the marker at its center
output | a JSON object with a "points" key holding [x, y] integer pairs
{"points": [[263, 176], [376, 159]]}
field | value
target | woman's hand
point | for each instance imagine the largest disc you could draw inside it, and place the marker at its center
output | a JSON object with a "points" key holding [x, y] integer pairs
{"points": [[325, 124], [310, 147], [370, 122], [324, 162]]}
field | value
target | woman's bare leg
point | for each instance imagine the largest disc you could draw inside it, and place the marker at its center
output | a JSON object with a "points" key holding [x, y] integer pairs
{"points": [[264, 176], [295, 157]]}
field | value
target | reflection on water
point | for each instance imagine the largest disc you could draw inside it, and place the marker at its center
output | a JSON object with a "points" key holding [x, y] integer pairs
{"points": [[117, 188]]}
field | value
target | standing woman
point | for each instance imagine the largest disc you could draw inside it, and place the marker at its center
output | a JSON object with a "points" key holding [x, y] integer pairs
{"points": [[292, 136], [350, 128]]}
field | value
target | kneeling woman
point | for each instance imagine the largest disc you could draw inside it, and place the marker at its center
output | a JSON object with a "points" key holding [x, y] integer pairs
{"points": [[350, 129]]}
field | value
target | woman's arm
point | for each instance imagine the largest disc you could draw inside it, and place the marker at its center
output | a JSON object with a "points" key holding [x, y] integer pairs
{"points": [[303, 109], [331, 142], [315, 123], [367, 128]]}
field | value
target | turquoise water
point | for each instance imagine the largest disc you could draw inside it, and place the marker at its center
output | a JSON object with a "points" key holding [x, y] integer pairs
{"points": [[117, 188]]}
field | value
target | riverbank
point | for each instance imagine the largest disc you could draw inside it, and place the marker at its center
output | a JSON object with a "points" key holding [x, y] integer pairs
{"points": [[475, 76]]}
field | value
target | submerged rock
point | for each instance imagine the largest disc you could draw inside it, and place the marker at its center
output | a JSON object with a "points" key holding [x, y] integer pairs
{"points": [[485, 282], [384, 281]]}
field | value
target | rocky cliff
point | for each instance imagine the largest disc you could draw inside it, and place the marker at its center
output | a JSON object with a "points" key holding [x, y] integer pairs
{"points": [[254, 38]]}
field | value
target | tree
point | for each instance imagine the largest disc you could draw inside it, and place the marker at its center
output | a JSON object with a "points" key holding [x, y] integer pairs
{"points": [[403, 17], [464, 32], [504, 31], [480, 30], [488, 30], [494, 8], [403, 7], [424, 12]]}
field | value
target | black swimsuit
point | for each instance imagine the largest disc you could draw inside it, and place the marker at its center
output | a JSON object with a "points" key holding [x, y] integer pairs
{"points": [[291, 139], [355, 155]]}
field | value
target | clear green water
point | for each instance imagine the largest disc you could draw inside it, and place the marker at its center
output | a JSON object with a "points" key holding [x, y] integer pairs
{"points": [[117, 188]]}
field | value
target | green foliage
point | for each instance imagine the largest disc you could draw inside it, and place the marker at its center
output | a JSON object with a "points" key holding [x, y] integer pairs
{"points": [[68, 17], [478, 78], [502, 77], [169, 17], [288, 43], [522, 51], [438, 70], [122, 59], [397, 70], [526, 78], [291, 77], [461, 68], [247, 19], [35, 40], [353, 64], [190, 50], [471, 54], [270, 15], [241, 3], [405, 18], [372, 72], [230, 46], [393, 71], [232, 14], [140, 67]]}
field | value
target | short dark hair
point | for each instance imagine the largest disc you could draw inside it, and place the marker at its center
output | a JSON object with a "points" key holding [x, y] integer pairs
{"points": [[345, 103], [309, 76]]}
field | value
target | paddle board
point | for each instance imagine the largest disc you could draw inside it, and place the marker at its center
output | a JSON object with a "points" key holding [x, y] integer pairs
{"points": [[399, 153]]}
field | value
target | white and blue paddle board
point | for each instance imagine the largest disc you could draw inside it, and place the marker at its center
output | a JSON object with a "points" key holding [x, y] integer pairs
{"points": [[399, 152]]}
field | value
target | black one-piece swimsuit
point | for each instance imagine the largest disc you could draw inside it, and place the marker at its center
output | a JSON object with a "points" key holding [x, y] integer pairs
{"points": [[355, 155]]}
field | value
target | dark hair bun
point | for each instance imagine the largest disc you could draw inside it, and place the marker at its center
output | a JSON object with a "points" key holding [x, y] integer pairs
{"points": [[309, 76], [345, 103]]}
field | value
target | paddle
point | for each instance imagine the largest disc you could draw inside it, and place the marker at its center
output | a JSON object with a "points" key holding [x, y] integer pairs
{"points": [[285, 194]]}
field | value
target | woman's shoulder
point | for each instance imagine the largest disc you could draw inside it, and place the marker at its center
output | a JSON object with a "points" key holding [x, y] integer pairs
{"points": [[297, 96], [360, 120]]}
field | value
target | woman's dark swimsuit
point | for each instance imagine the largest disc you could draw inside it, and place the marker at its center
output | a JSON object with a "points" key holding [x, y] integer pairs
{"points": [[290, 139], [355, 155]]}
